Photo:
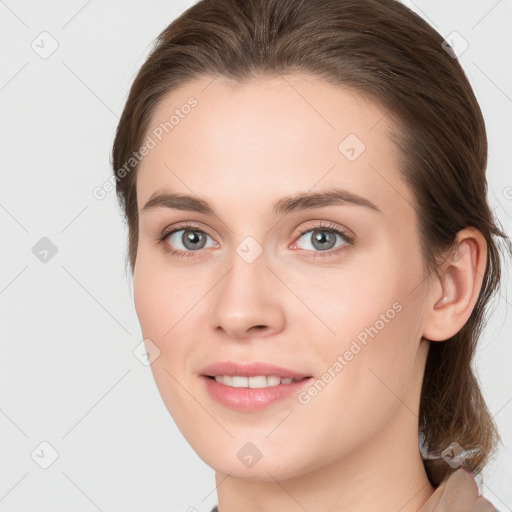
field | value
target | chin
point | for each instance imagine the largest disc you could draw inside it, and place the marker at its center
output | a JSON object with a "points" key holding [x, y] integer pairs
{"points": [[256, 461]]}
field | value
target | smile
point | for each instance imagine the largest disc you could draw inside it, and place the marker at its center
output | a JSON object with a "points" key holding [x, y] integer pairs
{"points": [[257, 381]]}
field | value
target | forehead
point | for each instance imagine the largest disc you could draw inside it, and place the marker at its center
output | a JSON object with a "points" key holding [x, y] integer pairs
{"points": [[270, 137]]}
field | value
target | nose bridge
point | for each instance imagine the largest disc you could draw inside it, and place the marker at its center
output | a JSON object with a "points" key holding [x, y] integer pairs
{"points": [[245, 295]]}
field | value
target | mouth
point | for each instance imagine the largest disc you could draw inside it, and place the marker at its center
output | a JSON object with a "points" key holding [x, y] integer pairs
{"points": [[254, 382], [252, 387]]}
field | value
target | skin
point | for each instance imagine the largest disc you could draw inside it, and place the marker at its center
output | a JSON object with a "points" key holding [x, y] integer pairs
{"points": [[354, 446]]}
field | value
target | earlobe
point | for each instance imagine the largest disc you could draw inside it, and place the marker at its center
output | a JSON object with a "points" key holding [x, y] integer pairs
{"points": [[460, 279]]}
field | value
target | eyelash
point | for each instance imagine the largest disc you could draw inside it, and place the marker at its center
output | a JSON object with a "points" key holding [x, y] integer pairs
{"points": [[349, 240]]}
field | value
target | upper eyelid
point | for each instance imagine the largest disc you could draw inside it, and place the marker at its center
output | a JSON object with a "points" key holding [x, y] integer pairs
{"points": [[318, 225]]}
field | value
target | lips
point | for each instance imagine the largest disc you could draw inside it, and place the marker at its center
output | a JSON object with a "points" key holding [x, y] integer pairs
{"points": [[251, 387]]}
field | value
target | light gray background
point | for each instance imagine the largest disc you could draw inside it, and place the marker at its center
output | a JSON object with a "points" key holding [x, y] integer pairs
{"points": [[68, 375]]}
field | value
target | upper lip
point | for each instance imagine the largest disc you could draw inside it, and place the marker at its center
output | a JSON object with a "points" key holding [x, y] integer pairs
{"points": [[250, 370]]}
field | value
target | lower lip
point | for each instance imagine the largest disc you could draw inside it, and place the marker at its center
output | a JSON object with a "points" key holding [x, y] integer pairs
{"points": [[252, 399]]}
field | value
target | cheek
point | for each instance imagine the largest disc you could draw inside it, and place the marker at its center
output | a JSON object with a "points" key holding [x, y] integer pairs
{"points": [[160, 297], [167, 302], [149, 300], [370, 369], [374, 314], [161, 311], [373, 350]]}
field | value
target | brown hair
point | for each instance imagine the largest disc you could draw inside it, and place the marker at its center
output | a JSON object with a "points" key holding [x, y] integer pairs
{"points": [[383, 50]]}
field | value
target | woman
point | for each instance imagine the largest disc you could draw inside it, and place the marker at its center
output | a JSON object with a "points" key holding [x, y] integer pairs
{"points": [[313, 252]]}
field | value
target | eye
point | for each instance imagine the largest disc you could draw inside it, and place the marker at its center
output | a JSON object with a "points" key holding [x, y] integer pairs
{"points": [[322, 238], [186, 239]]}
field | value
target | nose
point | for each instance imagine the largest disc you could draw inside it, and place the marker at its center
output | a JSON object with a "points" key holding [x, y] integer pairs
{"points": [[246, 302]]}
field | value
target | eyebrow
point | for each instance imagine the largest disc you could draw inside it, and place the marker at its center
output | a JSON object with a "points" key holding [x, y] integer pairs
{"points": [[285, 205]]}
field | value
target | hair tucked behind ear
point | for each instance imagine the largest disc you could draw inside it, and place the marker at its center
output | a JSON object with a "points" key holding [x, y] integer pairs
{"points": [[383, 50]]}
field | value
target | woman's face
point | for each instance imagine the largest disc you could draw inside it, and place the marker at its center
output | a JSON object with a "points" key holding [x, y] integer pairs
{"points": [[341, 304]]}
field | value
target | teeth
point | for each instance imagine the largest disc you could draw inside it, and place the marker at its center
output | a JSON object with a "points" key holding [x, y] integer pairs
{"points": [[240, 382], [259, 381], [273, 381]]}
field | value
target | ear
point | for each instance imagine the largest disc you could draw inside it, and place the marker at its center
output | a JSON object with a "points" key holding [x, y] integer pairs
{"points": [[451, 302]]}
